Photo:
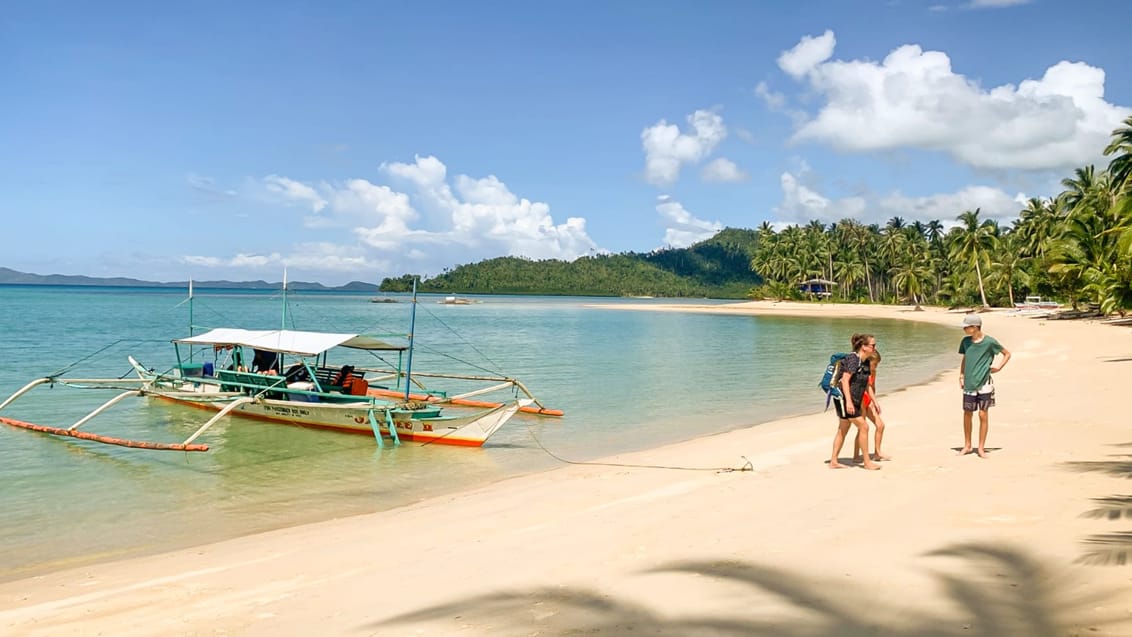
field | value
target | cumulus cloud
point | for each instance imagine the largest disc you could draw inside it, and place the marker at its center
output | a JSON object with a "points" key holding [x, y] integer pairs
{"points": [[294, 191], [373, 226], [683, 229], [992, 203], [667, 149], [800, 203], [914, 99], [807, 54], [723, 170]]}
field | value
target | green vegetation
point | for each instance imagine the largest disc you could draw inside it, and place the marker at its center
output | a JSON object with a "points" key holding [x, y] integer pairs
{"points": [[1075, 247], [716, 268]]}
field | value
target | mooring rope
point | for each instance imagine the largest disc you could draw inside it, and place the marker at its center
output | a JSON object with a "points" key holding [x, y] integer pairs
{"points": [[746, 466]]}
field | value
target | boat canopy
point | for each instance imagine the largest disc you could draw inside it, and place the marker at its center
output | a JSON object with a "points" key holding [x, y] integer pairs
{"points": [[292, 342]]}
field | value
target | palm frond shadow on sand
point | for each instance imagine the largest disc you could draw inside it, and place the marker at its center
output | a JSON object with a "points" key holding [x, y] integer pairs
{"points": [[1108, 549], [990, 591]]}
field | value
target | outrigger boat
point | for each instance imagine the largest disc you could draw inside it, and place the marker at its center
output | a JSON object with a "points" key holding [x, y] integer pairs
{"points": [[311, 393]]}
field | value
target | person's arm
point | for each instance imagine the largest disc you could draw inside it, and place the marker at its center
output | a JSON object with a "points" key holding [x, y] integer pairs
{"points": [[850, 408], [962, 365], [1005, 359]]}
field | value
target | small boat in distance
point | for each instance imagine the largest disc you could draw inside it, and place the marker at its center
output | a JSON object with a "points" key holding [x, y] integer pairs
{"points": [[383, 299], [456, 300], [1035, 303]]}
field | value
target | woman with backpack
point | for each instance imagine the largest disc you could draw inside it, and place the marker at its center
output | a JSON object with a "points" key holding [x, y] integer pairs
{"points": [[854, 382]]}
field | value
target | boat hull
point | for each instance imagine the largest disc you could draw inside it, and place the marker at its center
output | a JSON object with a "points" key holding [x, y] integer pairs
{"points": [[466, 431]]}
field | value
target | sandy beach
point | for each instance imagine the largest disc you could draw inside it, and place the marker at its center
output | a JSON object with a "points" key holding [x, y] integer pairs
{"points": [[679, 541]]}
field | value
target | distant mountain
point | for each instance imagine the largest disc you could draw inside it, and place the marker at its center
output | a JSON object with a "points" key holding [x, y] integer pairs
{"points": [[10, 276]]}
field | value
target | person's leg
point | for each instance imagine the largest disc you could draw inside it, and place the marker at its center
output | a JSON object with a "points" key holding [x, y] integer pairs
{"points": [[838, 442], [966, 433], [879, 422], [984, 425], [863, 440]]}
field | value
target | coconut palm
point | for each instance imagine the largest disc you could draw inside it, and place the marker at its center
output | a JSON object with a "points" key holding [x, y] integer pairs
{"points": [[1120, 168], [974, 241]]}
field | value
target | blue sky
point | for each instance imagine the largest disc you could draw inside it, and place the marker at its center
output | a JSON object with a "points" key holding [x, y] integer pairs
{"points": [[360, 140]]}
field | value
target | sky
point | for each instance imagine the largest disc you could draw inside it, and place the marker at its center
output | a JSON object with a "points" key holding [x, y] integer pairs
{"points": [[353, 141]]}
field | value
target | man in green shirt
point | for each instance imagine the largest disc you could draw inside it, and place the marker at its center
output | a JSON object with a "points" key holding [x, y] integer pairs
{"points": [[979, 351]]}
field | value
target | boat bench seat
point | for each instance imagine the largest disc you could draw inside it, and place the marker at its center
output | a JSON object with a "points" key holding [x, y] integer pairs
{"points": [[246, 379]]}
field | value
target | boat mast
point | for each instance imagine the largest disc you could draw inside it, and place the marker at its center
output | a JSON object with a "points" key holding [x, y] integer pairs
{"points": [[283, 324], [412, 329], [190, 316]]}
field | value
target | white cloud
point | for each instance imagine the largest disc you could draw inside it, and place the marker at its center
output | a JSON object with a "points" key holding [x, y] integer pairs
{"points": [[723, 170], [991, 202], [379, 229], [667, 149], [683, 229], [291, 190], [914, 99], [807, 54], [801, 204], [324, 257]]}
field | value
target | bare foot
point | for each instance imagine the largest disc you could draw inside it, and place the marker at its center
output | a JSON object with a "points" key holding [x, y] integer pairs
{"points": [[880, 456], [837, 465], [871, 466], [965, 451], [982, 453], [858, 459]]}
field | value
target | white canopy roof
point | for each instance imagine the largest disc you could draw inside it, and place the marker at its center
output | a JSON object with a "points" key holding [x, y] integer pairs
{"points": [[287, 341]]}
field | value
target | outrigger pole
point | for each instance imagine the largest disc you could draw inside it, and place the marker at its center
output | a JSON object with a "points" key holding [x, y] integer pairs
{"points": [[73, 430]]}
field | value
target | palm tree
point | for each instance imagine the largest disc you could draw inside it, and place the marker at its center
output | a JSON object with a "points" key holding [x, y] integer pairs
{"points": [[1007, 265], [1121, 145], [974, 242]]}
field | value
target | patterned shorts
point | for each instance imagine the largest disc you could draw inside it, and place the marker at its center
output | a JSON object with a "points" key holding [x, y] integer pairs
{"points": [[980, 400]]}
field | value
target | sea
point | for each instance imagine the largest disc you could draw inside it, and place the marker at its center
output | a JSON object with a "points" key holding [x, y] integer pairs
{"points": [[626, 380]]}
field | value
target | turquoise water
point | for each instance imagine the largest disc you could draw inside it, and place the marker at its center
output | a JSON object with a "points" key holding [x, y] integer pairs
{"points": [[627, 381]]}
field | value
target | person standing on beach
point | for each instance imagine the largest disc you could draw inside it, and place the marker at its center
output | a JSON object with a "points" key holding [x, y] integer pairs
{"points": [[854, 382], [872, 411], [979, 351]]}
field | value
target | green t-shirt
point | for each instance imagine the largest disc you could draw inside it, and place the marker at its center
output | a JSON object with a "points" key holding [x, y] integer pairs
{"points": [[976, 367]]}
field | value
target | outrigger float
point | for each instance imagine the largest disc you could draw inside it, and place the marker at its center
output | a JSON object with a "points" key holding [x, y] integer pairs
{"points": [[310, 393]]}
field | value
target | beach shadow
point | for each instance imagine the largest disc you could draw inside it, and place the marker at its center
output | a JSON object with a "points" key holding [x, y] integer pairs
{"points": [[990, 591], [1116, 468], [1111, 508], [1117, 360], [1108, 549], [990, 450]]}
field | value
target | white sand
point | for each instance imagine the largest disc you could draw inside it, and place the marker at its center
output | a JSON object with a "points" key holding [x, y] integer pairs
{"points": [[934, 544]]}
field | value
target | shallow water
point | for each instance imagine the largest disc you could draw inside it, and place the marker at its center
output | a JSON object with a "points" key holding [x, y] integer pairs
{"points": [[627, 381]]}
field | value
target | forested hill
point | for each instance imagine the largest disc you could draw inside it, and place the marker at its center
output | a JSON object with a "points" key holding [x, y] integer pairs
{"points": [[719, 267]]}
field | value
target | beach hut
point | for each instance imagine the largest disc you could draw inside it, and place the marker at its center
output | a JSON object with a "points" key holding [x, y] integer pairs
{"points": [[817, 287]]}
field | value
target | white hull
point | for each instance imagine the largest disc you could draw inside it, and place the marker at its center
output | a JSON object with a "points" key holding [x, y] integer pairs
{"points": [[468, 430]]}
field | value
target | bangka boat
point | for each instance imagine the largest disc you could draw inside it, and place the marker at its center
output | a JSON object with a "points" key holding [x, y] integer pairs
{"points": [[240, 373], [1033, 303]]}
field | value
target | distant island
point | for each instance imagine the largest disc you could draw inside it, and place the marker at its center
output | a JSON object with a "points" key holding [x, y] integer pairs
{"points": [[13, 277]]}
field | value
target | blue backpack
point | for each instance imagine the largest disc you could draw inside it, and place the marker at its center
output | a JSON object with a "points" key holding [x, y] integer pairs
{"points": [[831, 379]]}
